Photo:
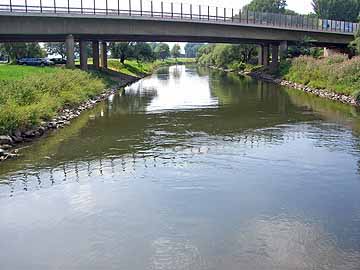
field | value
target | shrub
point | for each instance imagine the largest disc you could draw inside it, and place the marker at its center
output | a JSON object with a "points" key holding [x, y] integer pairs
{"points": [[336, 73]]}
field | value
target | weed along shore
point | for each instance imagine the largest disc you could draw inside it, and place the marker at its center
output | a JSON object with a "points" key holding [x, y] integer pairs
{"points": [[40, 100], [324, 93], [335, 78]]}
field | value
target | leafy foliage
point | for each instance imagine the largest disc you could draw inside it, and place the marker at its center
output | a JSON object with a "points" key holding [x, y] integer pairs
{"points": [[342, 10], [226, 55], [273, 6], [18, 50], [336, 73], [176, 51], [57, 48], [121, 50], [191, 49], [162, 51], [143, 51]]}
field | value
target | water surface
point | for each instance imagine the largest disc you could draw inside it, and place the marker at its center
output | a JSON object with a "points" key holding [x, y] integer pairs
{"points": [[189, 169]]}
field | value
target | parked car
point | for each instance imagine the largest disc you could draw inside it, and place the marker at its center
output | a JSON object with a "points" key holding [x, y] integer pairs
{"points": [[3, 59], [35, 62], [58, 61]]}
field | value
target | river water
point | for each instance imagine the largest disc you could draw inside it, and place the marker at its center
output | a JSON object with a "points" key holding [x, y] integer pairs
{"points": [[189, 169]]}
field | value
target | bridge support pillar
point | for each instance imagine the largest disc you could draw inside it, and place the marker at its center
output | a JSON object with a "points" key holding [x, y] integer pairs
{"points": [[69, 45], [260, 55], [265, 55], [274, 66], [83, 55], [103, 55], [331, 51], [96, 59], [283, 50]]}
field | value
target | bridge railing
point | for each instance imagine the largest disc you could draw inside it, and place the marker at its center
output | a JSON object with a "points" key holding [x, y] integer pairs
{"points": [[176, 10]]}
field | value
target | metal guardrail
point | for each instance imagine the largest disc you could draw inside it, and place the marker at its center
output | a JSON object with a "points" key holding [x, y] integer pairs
{"points": [[174, 10]]}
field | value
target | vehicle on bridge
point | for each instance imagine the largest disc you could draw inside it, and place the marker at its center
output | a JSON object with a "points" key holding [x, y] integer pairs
{"points": [[34, 62]]}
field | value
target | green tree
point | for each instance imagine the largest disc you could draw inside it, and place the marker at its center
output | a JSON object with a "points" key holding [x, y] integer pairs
{"points": [[22, 49], [3, 54], [122, 50], [191, 49], [57, 48], [162, 51], [176, 51], [143, 51], [355, 45], [342, 10], [273, 6]]}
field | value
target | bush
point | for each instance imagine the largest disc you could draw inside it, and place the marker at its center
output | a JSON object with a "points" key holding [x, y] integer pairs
{"points": [[238, 66], [336, 73]]}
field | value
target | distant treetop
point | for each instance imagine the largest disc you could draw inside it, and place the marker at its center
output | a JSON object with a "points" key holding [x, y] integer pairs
{"points": [[273, 6], [341, 10]]}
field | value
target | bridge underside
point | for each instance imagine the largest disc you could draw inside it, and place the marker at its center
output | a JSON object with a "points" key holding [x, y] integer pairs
{"points": [[55, 27], [83, 28]]}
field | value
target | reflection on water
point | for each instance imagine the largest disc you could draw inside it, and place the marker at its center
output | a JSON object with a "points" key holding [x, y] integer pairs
{"points": [[189, 169]]}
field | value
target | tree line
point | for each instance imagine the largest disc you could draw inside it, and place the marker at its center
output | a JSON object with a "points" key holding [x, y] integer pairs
{"points": [[141, 51], [238, 56]]}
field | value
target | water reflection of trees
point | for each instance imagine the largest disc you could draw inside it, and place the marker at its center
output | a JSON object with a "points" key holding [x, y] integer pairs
{"points": [[134, 102], [253, 113], [163, 75], [176, 72]]}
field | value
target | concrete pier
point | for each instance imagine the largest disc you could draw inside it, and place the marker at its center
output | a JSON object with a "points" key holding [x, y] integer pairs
{"points": [[96, 58], [69, 44], [274, 57], [83, 55], [103, 55], [283, 50], [265, 55]]}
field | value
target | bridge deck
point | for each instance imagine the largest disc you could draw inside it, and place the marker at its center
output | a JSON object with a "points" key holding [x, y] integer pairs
{"points": [[183, 12], [165, 23]]}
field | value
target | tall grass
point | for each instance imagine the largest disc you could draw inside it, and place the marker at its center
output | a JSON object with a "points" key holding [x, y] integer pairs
{"points": [[336, 73], [28, 100]]}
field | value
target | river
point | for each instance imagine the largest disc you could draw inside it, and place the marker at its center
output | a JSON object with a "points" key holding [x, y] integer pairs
{"points": [[189, 169]]}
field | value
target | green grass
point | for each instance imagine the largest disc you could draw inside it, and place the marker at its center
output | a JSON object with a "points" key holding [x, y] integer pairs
{"points": [[30, 95], [15, 72], [336, 73]]}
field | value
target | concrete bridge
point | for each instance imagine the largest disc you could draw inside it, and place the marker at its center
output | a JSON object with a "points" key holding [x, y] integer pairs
{"points": [[272, 32]]}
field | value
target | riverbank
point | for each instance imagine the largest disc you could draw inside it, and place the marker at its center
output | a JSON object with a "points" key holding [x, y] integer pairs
{"points": [[35, 101], [335, 78], [324, 93]]}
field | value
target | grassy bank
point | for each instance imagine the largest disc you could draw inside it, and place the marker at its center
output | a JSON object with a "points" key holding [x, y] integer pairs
{"points": [[30, 95], [336, 73], [138, 69]]}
